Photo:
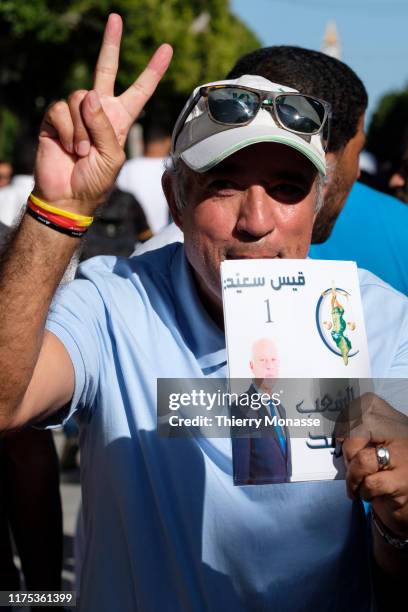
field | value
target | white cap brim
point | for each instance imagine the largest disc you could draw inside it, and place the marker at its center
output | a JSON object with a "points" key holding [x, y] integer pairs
{"points": [[209, 152]]}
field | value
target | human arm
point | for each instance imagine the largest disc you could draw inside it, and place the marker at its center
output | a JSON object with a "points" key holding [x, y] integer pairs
{"points": [[36, 373]]}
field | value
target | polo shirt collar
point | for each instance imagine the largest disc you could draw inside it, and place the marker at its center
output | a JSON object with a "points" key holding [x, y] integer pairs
{"points": [[203, 336]]}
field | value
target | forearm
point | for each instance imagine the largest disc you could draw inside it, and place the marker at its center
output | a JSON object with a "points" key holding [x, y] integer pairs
{"points": [[30, 271]]}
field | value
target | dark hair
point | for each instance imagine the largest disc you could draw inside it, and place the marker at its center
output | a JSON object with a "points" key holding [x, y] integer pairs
{"points": [[25, 148], [154, 132], [316, 74]]}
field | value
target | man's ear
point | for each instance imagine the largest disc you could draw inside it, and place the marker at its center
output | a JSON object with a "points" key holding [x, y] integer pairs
{"points": [[396, 180], [332, 159], [169, 191], [331, 164]]}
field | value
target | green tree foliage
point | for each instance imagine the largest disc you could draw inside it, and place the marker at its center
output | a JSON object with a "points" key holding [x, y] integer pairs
{"points": [[49, 47], [388, 130], [9, 126]]}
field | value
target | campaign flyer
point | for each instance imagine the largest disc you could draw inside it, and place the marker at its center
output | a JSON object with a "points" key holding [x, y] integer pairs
{"points": [[295, 333]]}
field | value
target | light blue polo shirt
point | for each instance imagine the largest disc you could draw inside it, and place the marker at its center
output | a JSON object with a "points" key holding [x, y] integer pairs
{"points": [[166, 529]]}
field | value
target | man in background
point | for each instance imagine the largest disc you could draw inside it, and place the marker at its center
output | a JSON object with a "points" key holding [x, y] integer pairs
{"points": [[398, 181], [14, 195], [141, 176], [356, 222], [6, 172], [30, 509]]}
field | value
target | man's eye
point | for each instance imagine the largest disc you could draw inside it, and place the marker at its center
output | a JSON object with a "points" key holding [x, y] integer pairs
{"points": [[288, 193], [222, 185]]}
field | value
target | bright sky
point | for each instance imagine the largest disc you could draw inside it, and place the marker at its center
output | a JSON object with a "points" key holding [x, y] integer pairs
{"points": [[373, 34]]}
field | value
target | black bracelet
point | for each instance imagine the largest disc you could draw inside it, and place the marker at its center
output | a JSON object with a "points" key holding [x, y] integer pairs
{"points": [[63, 230]]}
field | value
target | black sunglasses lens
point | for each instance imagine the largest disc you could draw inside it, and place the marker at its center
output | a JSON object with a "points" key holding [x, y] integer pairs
{"points": [[232, 106], [300, 113]]}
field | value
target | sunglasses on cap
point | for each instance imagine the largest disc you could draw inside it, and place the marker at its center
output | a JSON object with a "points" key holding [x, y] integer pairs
{"points": [[236, 105]]}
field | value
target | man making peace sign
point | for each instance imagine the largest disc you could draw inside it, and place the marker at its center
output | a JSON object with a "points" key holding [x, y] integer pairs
{"points": [[165, 527]]}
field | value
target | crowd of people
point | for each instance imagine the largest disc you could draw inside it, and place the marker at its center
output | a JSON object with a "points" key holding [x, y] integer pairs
{"points": [[163, 525]]}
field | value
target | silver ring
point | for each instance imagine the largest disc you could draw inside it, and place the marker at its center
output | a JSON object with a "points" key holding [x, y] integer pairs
{"points": [[383, 457]]}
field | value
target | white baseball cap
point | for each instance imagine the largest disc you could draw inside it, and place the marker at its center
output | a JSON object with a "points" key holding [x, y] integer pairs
{"points": [[202, 142]]}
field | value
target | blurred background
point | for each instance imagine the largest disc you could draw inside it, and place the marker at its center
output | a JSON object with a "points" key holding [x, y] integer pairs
{"points": [[48, 48]]}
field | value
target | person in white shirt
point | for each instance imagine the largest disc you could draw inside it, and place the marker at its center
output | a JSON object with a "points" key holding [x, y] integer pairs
{"points": [[141, 176], [14, 195], [13, 198]]}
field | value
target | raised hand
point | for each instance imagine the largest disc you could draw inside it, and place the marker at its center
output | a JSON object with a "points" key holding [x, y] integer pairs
{"points": [[81, 141]]}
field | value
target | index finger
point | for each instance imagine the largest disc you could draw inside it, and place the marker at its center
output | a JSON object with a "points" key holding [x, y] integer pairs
{"points": [[136, 96], [108, 59], [352, 446]]}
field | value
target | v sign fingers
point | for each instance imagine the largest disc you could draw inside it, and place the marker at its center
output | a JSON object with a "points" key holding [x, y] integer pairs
{"points": [[81, 143], [136, 96], [108, 60]]}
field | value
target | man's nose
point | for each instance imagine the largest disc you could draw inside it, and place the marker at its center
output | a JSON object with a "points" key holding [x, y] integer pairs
{"points": [[256, 215]]}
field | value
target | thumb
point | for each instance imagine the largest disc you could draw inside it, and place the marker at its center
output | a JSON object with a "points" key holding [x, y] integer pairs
{"points": [[99, 127]]}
